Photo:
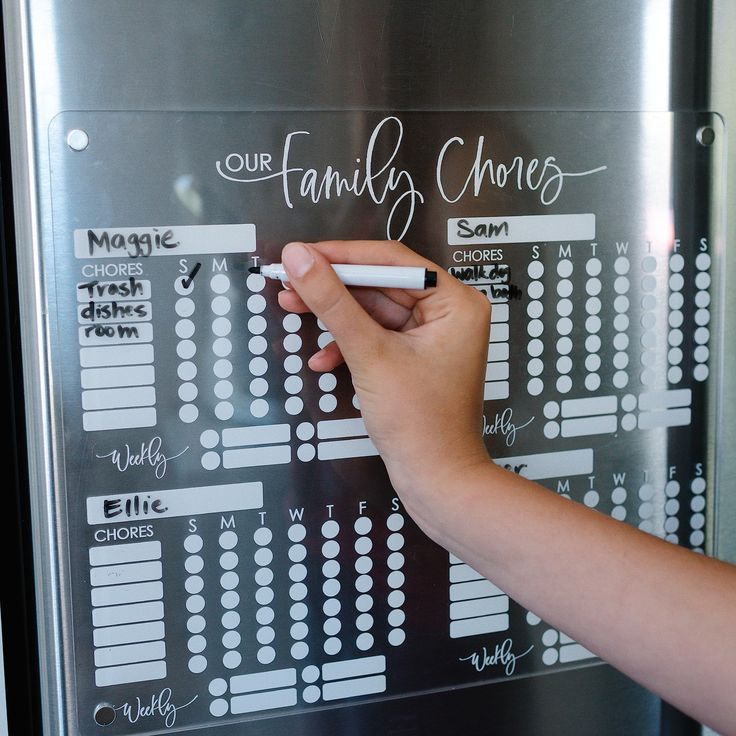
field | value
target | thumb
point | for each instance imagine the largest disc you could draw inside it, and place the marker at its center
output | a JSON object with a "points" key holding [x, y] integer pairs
{"points": [[313, 278]]}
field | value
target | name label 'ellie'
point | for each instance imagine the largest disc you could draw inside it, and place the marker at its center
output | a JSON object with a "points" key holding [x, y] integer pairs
{"points": [[133, 507]]}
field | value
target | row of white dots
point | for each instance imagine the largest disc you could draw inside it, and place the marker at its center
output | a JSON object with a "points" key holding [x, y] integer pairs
{"points": [[702, 316], [535, 346]]}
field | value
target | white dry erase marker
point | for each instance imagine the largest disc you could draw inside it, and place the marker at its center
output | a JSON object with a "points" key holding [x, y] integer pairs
{"points": [[387, 277]]}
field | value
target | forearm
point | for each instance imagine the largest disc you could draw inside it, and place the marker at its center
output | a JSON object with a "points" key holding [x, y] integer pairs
{"points": [[661, 614]]}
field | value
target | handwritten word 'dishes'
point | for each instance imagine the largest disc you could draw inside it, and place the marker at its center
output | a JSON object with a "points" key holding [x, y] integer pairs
{"points": [[375, 176], [501, 655]]}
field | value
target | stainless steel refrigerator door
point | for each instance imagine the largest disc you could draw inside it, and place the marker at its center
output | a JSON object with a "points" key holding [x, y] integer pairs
{"points": [[82, 167]]}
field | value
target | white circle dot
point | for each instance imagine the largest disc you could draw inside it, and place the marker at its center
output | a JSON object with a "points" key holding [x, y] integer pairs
{"points": [[535, 367], [702, 262], [535, 386], [186, 371], [592, 381], [259, 408], [332, 645], [293, 405], [564, 384], [222, 368], [232, 659], [628, 422], [618, 495], [535, 348], [255, 282], [535, 289], [306, 453], [197, 664], [396, 637], [195, 624], [299, 650], [327, 403], [292, 343], [184, 328], [258, 366], [186, 349], [551, 430], [292, 364], [535, 269], [564, 326], [188, 413], [194, 584], [224, 410], [184, 307], [564, 346], [266, 655], [564, 268], [534, 309], [258, 387], [620, 379], [230, 599], [551, 410], [219, 283], [257, 325], [220, 305], [256, 304], [394, 523], [621, 265], [535, 327], [591, 499]]}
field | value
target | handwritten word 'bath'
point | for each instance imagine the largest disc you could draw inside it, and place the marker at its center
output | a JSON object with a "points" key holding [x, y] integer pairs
{"points": [[377, 175]]}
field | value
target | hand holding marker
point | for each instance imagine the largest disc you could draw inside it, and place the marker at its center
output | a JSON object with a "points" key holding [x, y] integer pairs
{"points": [[387, 277], [660, 613]]}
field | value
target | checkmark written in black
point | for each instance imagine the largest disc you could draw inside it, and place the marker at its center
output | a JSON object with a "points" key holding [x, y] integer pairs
{"points": [[186, 282]]}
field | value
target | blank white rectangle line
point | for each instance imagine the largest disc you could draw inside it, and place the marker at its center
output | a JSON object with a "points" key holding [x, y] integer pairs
{"points": [[262, 681], [354, 688], [130, 673], [267, 434], [110, 637], [499, 332], [482, 625], [129, 653], [176, 502], [331, 429], [119, 554], [479, 607], [113, 595], [586, 426], [498, 351], [668, 418], [118, 398], [550, 464], [132, 613], [262, 701], [589, 407], [474, 589], [495, 390], [134, 375], [499, 313], [253, 457], [497, 371], [184, 240], [653, 400], [98, 421], [463, 573], [118, 574], [345, 449], [354, 668], [111, 355], [522, 229], [574, 652]]}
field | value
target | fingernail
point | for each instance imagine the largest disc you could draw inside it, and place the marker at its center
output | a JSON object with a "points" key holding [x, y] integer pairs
{"points": [[297, 260]]}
